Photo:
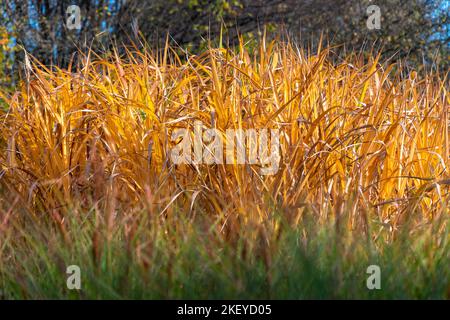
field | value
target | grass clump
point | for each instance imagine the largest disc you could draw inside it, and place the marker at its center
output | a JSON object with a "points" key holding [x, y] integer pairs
{"points": [[86, 178]]}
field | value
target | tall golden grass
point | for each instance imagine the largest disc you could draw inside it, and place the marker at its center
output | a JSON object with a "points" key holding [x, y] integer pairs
{"points": [[358, 135]]}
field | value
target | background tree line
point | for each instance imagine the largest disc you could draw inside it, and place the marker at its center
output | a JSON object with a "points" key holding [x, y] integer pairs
{"points": [[418, 29]]}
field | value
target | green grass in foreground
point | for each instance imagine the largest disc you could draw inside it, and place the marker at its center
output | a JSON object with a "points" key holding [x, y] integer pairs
{"points": [[192, 259]]}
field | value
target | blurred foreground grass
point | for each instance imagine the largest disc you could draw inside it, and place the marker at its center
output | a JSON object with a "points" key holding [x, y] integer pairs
{"points": [[191, 259]]}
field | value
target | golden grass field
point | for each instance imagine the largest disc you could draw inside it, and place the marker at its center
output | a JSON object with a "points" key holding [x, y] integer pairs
{"points": [[360, 138]]}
